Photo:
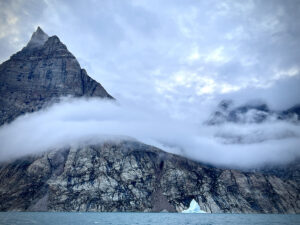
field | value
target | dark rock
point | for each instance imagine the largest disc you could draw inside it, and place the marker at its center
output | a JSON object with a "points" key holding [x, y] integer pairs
{"points": [[130, 176], [251, 113], [42, 72]]}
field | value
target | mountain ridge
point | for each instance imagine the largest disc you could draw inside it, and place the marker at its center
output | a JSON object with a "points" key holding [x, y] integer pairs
{"points": [[43, 71], [257, 112], [129, 176]]}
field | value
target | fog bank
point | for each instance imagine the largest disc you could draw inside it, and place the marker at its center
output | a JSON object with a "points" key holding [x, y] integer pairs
{"points": [[74, 122]]}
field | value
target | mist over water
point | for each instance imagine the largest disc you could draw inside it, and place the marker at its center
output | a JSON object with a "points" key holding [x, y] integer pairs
{"points": [[75, 122]]}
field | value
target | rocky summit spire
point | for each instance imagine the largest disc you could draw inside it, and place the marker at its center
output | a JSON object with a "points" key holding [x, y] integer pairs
{"points": [[40, 73], [38, 38]]}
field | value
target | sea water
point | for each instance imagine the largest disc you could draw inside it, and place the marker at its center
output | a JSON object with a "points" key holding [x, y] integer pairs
{"points": [[45, 218]]}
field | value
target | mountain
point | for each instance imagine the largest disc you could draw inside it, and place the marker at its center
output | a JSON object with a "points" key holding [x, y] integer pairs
{"points": [[131, 176], [42, 72], [114, 176], [255, 112]]}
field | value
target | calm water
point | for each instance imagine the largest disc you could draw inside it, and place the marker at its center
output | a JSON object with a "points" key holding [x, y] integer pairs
{"points": [[145, 218]]}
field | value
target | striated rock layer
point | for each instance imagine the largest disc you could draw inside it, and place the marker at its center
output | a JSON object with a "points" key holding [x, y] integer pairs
{"points": [[130, 176], [41, 72]]}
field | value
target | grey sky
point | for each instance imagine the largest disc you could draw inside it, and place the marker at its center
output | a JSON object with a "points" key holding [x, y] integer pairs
{"points": [[162, 58], [173, 53]]}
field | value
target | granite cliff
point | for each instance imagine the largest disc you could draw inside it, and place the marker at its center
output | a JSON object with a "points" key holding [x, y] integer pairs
{"points": [[42, 72], [131, 176], [121, 175]]}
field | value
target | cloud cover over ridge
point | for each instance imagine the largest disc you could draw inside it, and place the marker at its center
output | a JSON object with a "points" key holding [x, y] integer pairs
{"points": [[74, 122]]}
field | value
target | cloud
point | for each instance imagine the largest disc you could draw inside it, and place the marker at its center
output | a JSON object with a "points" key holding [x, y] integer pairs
{"points": [[281, 95], [18, 20], [75, 122]]}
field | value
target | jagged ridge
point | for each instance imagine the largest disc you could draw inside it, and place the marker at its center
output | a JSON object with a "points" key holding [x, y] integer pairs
{"points": [[41, 72]]}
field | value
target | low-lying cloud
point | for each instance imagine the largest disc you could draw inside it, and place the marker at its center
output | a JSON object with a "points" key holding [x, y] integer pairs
{"points": [[74, 122]]}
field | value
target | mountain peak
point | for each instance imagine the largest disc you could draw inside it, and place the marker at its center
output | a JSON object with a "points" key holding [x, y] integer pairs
{"points": [[39, 29], [38, 38], [41, 73]]}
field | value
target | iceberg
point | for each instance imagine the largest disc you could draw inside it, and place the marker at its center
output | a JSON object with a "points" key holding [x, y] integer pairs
{"points": [[194, 208]]}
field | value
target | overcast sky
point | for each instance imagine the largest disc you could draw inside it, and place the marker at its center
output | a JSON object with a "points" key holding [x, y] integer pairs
{"points": [[168, 63], [170, 51], [173, 53]]}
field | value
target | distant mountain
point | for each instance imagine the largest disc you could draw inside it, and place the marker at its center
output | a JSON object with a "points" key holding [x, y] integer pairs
{"points": [[117, 176], [256, 112], [41, 72]]}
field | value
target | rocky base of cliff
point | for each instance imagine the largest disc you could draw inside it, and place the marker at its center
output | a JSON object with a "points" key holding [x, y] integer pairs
{"points": [[131, 176]]}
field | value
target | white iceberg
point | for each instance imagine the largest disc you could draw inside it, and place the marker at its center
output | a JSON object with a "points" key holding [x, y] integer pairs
{"points": [[194, 208]]}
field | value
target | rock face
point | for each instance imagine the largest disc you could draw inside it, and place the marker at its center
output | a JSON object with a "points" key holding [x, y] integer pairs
{"points": [[41, 72], [130, 176], [251, 113]]}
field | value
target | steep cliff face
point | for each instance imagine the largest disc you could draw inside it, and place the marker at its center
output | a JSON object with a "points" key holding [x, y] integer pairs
{"points": [[130, 176], [41, 72]]}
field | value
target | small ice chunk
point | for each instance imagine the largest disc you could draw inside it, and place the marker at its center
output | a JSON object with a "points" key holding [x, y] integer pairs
{"points": [[194, 208]]}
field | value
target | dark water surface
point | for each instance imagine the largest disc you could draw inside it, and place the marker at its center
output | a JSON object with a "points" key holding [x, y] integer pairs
{"points": [[46, 218]]}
